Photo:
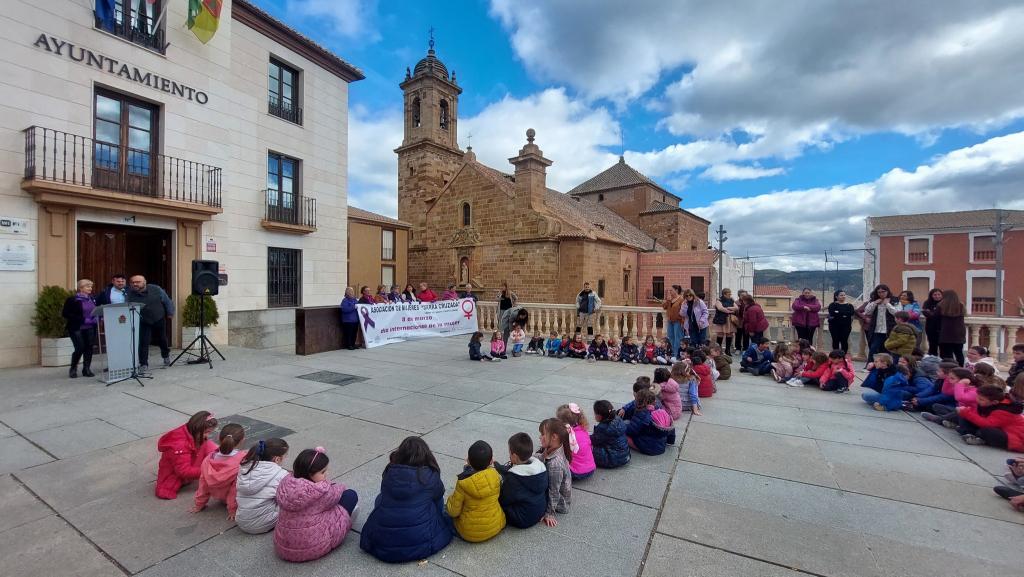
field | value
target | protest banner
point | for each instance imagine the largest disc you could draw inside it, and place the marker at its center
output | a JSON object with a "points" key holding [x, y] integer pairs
{"points": [[387, 323]]}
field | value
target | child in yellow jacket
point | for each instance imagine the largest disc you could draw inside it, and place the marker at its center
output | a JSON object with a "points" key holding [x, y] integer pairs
{"points": [[903, 339], [474, 505]]}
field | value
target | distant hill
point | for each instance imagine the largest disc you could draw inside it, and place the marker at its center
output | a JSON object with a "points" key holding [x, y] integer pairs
{"points": [[850, 281]]}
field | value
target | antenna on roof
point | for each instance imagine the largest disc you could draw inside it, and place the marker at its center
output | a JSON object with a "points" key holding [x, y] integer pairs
{"points": [[431, 43], [622, 144], [469, 137]]}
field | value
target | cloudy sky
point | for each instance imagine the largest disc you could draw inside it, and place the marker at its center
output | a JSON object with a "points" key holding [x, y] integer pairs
{"points": [[787, 122]]}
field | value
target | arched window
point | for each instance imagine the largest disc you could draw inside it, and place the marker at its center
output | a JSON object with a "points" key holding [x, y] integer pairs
{"points": [[467, 214], [444, 115], [416, 112]]}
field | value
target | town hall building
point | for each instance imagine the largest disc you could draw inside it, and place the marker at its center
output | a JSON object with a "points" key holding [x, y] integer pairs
{"points": [[620, 230]]}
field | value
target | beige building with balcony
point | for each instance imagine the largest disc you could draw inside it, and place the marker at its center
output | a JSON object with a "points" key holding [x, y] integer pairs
{"points": [[130, 147]]}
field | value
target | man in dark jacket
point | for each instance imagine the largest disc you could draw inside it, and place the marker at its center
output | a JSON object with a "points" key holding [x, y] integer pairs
{"points": [[152, 321], [115, 293], [524, 487]]}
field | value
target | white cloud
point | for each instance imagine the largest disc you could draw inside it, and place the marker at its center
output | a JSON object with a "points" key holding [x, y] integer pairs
{"points": [[808, 222], [353, 19], [728, 171], [372, 163]]}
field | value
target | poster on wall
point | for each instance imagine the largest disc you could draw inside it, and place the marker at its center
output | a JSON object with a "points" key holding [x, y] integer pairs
{"points": [[11, 225], [388, 323], [20, 256]]}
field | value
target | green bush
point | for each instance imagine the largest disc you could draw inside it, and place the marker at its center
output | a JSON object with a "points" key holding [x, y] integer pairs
{"points": [[48, 320], [190, 312]]}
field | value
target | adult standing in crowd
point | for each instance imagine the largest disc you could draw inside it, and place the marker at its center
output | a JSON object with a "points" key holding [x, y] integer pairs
{"points": [[695, 314], [450, 294], [805, 315], [394, 296], [409, 294], [152, 325], [840, 321], [115, 293], [468, 293], [725, 308], [952, 329], [506, 298], [742, 338], [933, 320], [382, 294], [515, 315], [426, 295], [673, 318], [588, 303], [754, 321], [81, 326], [365, 298], [878, 318], [910, 305], [349, 319]]}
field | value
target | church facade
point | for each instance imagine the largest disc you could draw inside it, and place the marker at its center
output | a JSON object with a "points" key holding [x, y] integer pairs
{"points": [[476, 224]]}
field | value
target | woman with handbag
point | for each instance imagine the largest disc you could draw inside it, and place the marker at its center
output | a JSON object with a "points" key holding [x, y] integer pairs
{"points": [[725, 311]]}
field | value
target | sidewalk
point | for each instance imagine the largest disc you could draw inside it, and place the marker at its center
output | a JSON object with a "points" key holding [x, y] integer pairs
{"points": [[772, 480]]}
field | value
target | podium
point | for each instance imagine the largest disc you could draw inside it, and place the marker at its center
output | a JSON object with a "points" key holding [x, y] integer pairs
{"points": [[120, 338]]}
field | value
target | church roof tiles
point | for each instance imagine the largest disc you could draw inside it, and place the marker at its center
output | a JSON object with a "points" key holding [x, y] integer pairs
{"points": [[619, 175]]}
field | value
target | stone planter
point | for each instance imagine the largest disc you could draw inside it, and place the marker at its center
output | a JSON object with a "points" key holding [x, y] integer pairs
{"points": [[55, 352]]}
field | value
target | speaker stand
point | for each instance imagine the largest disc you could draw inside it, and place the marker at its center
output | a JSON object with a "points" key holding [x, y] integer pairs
{"points": [[205, 344]]}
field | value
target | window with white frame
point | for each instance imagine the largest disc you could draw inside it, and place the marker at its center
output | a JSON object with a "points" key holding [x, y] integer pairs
{"points": [[919, 250], [983, 295], [983, 248]]}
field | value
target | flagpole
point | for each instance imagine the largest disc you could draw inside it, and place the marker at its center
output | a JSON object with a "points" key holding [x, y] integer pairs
{"points": [[160, 18]]}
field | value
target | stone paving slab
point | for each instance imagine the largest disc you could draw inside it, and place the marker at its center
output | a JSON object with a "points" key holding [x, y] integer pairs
{"points": [[535, 406], [924, 466], [18, 505], [77, 438], [455, 438], [16, 453], [418, 412], [50, 546], [473, 389], [335, 402], [94, 476], [671, 557], [348, 442], [292, 416]]}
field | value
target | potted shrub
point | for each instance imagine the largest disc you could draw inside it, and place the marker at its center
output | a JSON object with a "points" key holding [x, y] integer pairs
{"points": [[190, 317], [55, 346]]}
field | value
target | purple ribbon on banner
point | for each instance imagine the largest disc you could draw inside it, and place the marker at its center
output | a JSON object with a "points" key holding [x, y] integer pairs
{"points": [[367, 321]]}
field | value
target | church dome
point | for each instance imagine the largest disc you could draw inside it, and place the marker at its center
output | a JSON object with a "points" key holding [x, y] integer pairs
{"points": [[431, 65]]}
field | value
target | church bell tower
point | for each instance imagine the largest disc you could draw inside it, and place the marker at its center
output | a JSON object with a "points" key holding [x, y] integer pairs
{"points": [[430, 154]]}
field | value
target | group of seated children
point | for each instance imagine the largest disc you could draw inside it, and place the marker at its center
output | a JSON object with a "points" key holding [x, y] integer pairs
{"points": [[310, 515], [799, 365]]}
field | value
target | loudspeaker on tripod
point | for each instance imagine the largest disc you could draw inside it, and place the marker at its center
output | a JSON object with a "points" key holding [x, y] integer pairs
{"points": [[204, 277]]}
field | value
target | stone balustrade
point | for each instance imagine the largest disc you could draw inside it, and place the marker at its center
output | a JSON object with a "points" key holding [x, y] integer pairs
{"points": [[998, 334]]}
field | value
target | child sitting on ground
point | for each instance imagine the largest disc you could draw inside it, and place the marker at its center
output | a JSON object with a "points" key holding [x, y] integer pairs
{"points": [[564, 350], [705, 384], [219, 471], [578, 348], [723, 362], [757, 359], [880, 369], [941, 391], [689, 400], [614, 350], [649, 429], [649, 351], [903, 338], [897, 389], [609, 438], [995, 421], [182, 452], [669, 396], [524, 484], [965, 393], [839, 375], [663, 354], [315, 513], [813, 370], [556, 454], [598, 349], [986, 375], [474, 348], [630, 352], [553, 345], [536, 345], [1017, 368], [518, 339], [259, 474], [806, 362], [786, 361], [473, 506], [803, 345], [582, 465], [408, 522], [978, 355], [706, 351], [626, 411], [497, 346]]}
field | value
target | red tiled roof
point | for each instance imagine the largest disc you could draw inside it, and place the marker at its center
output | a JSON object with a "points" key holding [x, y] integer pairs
{"points": [[771, 290], [361, 214], [943, 220], [618, 175]]}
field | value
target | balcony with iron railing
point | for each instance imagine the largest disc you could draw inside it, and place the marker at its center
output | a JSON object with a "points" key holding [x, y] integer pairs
{"points": [[288, 212], [285, 109], [917, 257], [136, 27], [984, 256], [67, 168]]}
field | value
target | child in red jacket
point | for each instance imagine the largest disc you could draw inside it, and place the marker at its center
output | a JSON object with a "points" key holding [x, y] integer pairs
{"points": [[182, 451], [648, 351], [997, 420], [705, 384], [219, 471], [814, 368], [839, 375]]}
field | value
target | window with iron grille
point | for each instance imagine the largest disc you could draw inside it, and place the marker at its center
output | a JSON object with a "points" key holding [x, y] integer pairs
{"points": [[917, 250], [283, 97], [140, 22], [282, 187], [984, 248], [387, 245], [658, 287], [284, 277]]}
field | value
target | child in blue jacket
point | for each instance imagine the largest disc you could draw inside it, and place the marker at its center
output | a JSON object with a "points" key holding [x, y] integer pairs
{"points": [[879, 370], [630, 352], [941, 391], [608, 440], [649, 429], [553, 344], [524, 484], [896, 389], [757, 360]]}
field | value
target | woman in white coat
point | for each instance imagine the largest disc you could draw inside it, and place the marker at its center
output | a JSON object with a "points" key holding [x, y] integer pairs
{"points": [[258, 476]]}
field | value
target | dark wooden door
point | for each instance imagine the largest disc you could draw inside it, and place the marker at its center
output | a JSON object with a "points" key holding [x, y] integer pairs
{"points": [[101, 253]]}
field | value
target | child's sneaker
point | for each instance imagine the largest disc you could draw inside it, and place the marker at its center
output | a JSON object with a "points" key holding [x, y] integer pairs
{"points": [[775, 375], [931, 418], [842, 390], [495, 360], [878, 407], [949, 424], [633, 361], [795, 382], [973, 440]]}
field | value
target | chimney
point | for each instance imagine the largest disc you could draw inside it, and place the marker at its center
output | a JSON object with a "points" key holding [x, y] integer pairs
{"points": [[531, 179]]}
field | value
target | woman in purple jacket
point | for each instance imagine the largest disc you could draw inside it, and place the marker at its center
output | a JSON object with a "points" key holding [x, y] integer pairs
{"points": [[695, 318], [81, 326], [805, 315], [349, 319]]}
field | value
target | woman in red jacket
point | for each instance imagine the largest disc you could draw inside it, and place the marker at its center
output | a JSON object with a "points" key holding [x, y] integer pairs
{"points": [[754, 321], [997, 421], [182, 451]]}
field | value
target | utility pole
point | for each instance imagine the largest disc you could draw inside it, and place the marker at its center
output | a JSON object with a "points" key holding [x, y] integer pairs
{"points": [[999, 229], [721, 257]]}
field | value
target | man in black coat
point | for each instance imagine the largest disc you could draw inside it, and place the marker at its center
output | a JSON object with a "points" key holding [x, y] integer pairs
{"points": [[116, 292], [152, 322]]}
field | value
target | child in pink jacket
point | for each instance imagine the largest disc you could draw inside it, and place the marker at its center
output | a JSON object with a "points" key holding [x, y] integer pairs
{"points": [[219, 471], [315, 514], [582, 465], [497, 346], [670, 399], [965, 391]]}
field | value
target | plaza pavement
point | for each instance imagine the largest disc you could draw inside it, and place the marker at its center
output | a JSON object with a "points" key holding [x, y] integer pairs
{"points": [[771, 481]]}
